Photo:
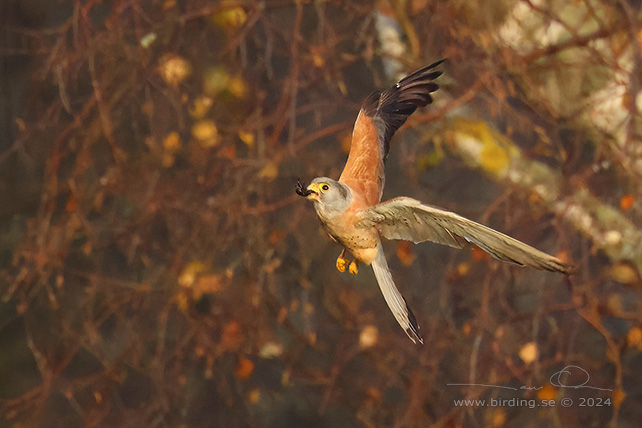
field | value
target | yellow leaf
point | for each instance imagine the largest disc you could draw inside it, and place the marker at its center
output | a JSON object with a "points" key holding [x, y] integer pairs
{"points": [[463, 269], [230, 18], [269, 171], [147, 40], [271, 350], [247, 138], [22, 126], [174, 69], [614, 303], [182, 301], [623, 273], [215, 80], [499, 417], [493, 157], [254, 396], [237, 87], [430, 159], [317, 56], [189, 273], [172, 142], [206, 133], [618, 397], [200, 107], [529, 353]]}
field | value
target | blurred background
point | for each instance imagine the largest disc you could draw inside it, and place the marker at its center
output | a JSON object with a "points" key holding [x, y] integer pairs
{"points": [[158, 270]]}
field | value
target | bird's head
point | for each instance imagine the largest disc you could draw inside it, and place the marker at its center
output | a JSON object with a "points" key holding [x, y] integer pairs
{"points": [[326, 193]]}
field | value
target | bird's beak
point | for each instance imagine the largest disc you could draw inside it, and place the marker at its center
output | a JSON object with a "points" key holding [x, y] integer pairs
{"points": [[313, 191]]}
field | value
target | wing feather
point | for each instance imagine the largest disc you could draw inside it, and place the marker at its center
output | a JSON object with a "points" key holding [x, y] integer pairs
{"points": [[381, 115], [410, 220]]}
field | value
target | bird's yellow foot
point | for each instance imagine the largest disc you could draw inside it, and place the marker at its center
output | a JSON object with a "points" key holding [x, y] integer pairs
{"points": [[342, 263], [353, 269]]}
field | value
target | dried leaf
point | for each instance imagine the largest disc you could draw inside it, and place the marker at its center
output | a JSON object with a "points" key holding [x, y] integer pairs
{"points": [[405, 254], [634, 337], [626, 202], [548, 392], [244, 368], [72, 204]]}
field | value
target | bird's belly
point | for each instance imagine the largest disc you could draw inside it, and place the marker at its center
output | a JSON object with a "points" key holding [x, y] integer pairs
{"points": [[365, 255], [360, 243]]}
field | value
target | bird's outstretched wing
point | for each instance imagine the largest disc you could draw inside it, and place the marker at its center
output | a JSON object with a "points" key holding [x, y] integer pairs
{"points": [[410, 220], [393, 297], [381, 114]]}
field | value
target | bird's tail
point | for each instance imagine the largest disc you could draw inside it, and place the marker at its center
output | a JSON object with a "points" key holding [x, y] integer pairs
{"points": [[393, 297]]}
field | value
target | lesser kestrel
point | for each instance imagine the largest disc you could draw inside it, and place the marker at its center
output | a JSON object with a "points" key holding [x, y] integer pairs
{"points": [[352, 214]]}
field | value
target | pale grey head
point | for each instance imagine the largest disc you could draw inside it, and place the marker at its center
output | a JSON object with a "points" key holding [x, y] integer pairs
{"points": [[329, 196]]}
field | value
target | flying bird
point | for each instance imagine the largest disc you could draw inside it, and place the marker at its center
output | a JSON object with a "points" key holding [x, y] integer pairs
{"points": [[352, 213]]}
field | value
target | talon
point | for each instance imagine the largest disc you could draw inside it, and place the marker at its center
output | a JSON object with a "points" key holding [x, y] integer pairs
{"points": [[341, 264], [353, 268]]}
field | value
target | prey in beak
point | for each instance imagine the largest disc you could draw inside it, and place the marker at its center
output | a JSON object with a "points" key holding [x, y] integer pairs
{"points": [[310, 192]]}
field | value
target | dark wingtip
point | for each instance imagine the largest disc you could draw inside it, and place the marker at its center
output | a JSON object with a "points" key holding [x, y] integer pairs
{"points": [[395, 104], [413, 331], [436, 63]]}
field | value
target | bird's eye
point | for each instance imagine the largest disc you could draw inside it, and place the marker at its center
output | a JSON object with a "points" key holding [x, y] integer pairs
{"points": [[325, 187]]}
